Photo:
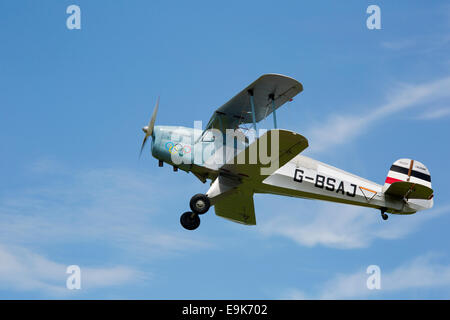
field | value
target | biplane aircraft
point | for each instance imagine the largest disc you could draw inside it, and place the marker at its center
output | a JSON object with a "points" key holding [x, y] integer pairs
{"points": [[231, 158]]}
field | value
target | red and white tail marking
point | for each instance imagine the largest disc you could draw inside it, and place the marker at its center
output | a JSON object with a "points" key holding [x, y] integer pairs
{"points": [[410, 171]]}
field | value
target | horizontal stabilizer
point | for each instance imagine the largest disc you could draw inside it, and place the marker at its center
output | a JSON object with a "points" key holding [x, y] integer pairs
{"points": [[409, 190]]}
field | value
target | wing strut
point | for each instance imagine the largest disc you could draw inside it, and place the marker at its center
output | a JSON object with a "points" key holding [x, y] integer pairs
{"points": [[272, 97], [252, 103]]}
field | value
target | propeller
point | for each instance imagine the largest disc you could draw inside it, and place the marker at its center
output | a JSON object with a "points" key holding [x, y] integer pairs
{"points": [[148, 130]]}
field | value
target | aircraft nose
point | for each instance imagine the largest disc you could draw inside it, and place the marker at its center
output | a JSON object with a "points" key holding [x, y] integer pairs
{"points": [[145, 129]]}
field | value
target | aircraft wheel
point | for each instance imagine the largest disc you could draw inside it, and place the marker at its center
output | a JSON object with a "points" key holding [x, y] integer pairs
{"points": [[200, 203], [190, 220], [384, 216]]}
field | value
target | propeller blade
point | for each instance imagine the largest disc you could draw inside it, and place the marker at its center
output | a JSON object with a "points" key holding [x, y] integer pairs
{"points": [[151, 124], [143, 145], [148, 130]]}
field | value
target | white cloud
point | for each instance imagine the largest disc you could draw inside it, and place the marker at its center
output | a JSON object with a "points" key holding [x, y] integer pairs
{"points": [[89, 209], [293, 294], [339, 225], [422, 272], [24, 270], [340, 128], [114, 206], [419, 44], [399, 44], [434, 114]]}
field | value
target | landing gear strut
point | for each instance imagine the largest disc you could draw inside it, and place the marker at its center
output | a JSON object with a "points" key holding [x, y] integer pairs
{"points": [[199, 204]]}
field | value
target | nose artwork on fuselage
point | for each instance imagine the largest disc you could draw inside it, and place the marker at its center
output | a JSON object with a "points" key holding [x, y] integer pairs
{"points": [[178, 148]]}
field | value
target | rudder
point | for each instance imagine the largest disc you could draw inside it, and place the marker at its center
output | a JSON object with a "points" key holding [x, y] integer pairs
{"points": [[410, 180], [408, 170]]}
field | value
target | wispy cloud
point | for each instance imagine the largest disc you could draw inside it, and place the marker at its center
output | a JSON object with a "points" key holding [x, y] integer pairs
{"points": [[92, 209], [434, 114], [423, 272], [343, 128], [419, 44], [24, 270], [113, 206], [341, 226], [293, 294], [399, 44]]}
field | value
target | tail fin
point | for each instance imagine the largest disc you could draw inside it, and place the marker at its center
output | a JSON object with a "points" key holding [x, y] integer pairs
{"points": [[410, 179], [410, 171]]}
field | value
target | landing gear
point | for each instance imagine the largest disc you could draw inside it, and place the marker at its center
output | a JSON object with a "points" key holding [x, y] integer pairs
{"points": [[199, 204], [384, 215], [190, 220]]}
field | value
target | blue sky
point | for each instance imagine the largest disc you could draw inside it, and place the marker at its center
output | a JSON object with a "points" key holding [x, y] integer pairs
{"points": [[72, 190]]}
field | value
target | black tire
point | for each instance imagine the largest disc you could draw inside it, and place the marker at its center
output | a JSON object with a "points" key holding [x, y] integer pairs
{"points": [[384, 216], [200, 203], [190, 220]]}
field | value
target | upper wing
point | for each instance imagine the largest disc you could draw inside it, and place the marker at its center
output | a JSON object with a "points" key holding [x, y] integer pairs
{"points": [[238, 110]]}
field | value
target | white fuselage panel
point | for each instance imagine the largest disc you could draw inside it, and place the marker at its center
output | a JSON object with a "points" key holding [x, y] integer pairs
{"points": [[309, 178]]}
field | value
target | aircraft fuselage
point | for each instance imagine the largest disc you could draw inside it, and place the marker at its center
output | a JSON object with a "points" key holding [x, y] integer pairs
{"points": [[301, 177]]}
